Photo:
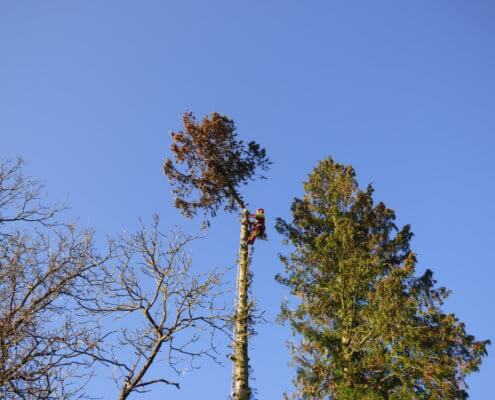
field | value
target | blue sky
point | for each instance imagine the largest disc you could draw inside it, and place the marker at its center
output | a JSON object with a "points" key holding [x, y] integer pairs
{"points": [[403, 91]]}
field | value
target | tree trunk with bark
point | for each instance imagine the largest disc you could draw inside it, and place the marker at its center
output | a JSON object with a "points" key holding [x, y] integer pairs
{"points": [[240, 378]]}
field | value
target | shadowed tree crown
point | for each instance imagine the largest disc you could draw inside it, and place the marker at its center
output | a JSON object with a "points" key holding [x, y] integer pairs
{"points": [[210, 164]]}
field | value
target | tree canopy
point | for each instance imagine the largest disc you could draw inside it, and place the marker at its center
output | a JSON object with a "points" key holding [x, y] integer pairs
{"points": [[215, 164], [366, 326]]}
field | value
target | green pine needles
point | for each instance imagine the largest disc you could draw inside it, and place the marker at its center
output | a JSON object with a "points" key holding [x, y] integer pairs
{"points": [[366, 327]]}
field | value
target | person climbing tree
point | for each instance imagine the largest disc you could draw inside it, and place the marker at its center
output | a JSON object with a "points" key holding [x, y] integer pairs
{"points": [[257, 226]]}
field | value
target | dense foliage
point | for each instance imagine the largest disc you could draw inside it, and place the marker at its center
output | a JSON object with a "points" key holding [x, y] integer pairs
{"points": [[366, 326]]}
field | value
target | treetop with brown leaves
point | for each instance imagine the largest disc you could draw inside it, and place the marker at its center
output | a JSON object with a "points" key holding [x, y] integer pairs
{"points": [[210, 164]]}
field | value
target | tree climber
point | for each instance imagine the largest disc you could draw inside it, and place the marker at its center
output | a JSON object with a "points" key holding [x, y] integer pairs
{"points": [[257, 227]]}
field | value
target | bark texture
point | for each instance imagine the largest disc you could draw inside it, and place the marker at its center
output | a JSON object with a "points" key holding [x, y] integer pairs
{"points": [[240, 378]]}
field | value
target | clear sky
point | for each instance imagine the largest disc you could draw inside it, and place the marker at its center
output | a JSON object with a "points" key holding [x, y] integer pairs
{"points": [[402, 90]]}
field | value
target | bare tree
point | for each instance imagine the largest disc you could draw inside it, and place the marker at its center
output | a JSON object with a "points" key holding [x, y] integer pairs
{"points": [[44, 265], [21, 197], [163, 313]]}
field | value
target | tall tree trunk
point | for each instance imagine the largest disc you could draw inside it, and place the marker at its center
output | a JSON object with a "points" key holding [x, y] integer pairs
{"points": [[240, 378]]}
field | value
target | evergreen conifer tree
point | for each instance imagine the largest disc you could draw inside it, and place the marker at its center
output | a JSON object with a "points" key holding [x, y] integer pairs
{"points": [[209, 166], [366, 326]]}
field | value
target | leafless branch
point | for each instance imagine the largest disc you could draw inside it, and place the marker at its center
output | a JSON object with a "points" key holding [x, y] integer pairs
{"points": [[21, 197], [44, 266], [164, 312]]}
